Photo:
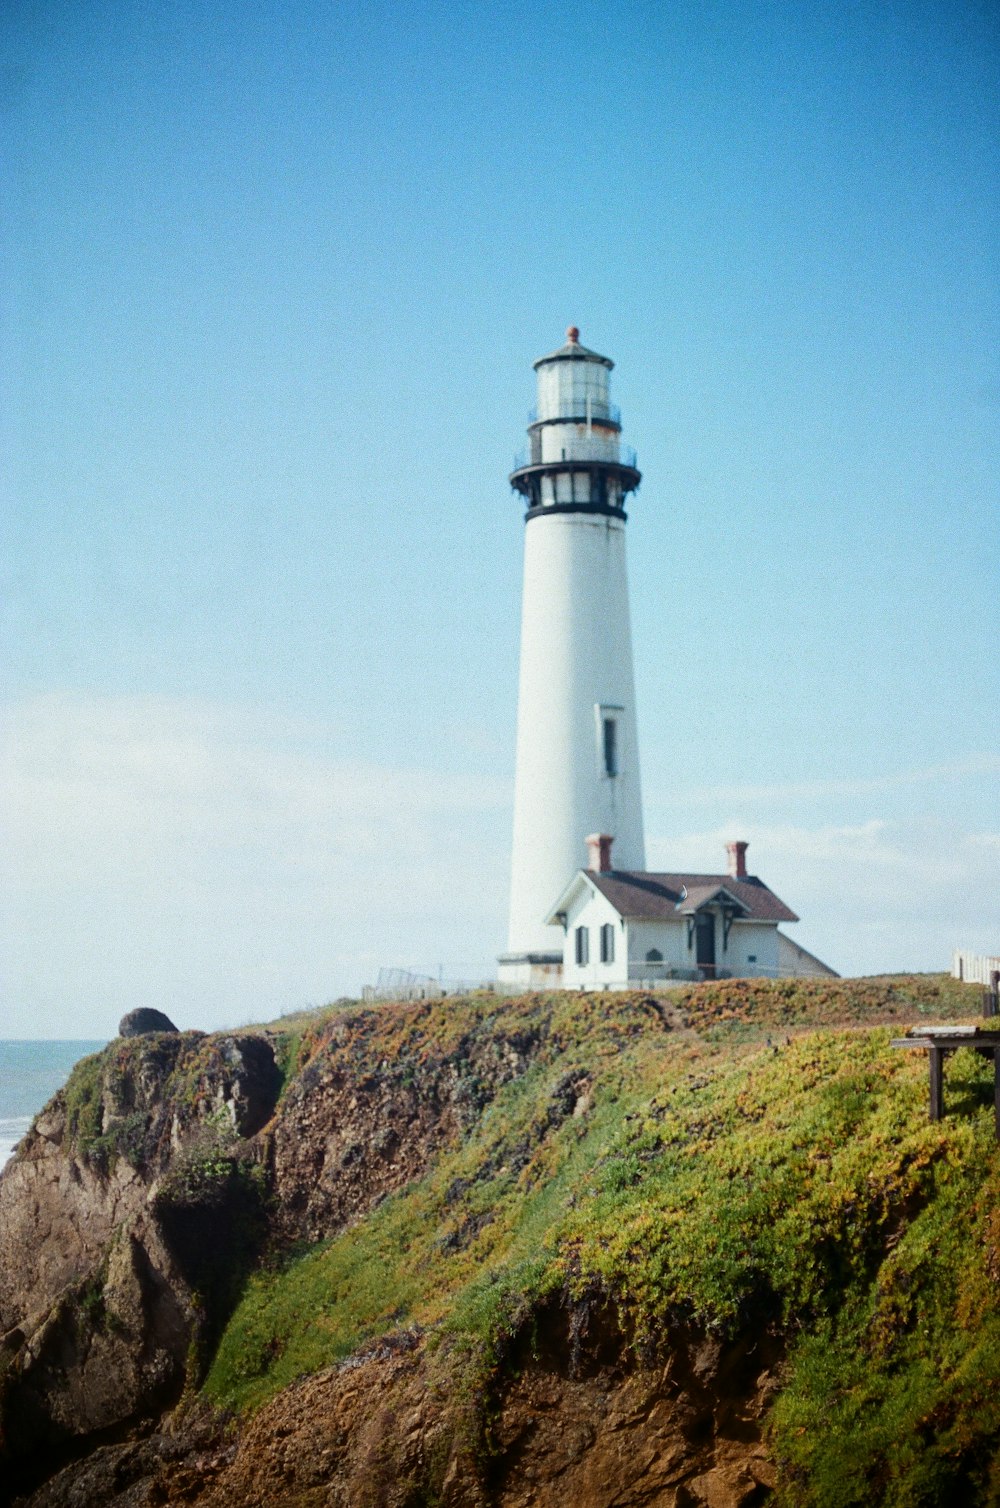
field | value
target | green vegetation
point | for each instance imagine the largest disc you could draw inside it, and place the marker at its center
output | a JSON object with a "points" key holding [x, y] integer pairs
{"points": [[101, 1121], [690, 1161], [120, 1102], [212, 1208], [84, 1100], [740, 1157]]}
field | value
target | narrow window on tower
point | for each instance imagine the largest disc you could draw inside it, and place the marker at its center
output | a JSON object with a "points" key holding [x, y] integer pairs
{"points": [[608, 726], [582, 939], [610, 746], [608, 943]]}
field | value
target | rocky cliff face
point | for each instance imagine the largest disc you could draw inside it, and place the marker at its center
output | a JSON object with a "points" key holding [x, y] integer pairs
{"points": [[146, 1190], [501, 1254], [357, 1124], [101, 1279], [582, 1424]]}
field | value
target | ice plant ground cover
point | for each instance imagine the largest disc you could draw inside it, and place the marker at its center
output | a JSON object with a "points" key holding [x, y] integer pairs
{"points": [[742, 1157]]}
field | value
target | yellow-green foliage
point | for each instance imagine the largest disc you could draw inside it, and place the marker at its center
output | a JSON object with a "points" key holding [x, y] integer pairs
{"points": [[786, 1182], [121, 1102], [83, 1096], [768, 1003]]}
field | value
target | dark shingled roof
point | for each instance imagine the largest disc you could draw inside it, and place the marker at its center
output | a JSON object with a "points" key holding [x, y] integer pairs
{"points": [[658, 897], [573, 351]]}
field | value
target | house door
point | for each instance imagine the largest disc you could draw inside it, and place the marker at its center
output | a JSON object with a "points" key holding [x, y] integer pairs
{"points": [[704, 941]]}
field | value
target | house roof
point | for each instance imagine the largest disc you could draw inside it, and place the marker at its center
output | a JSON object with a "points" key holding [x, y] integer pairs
{"points": [[663, 897]]}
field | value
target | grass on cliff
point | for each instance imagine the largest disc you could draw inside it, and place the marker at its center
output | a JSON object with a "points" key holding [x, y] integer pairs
{"points": [[736, 1156]]}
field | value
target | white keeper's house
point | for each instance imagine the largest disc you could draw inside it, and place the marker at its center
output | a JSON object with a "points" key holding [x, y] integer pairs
{"points": [[631, 927]]}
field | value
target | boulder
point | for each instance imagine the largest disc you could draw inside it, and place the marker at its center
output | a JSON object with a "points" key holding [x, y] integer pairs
{"points": [[145, 1019]]}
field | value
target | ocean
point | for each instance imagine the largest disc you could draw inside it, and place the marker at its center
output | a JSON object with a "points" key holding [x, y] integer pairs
{"points": [[30, 1074]]}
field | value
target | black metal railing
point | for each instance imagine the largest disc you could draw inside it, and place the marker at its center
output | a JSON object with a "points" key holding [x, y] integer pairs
{"points": [[578, 411], [626, 457]]}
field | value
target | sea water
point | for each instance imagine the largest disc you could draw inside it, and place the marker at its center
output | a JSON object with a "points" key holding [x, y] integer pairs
{"points": [[30, 1074]]}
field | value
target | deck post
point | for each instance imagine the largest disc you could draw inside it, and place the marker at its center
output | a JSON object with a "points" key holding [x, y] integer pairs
{"points": [[935, 1059], [947, 1038]]}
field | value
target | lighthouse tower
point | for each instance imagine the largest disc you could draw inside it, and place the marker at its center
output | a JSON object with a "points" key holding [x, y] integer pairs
{"points": [[577, 751]]}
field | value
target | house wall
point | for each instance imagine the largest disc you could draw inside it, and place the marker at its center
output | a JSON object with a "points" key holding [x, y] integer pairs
{"points": [[752, 948], [974, 967], [590, 909], [752, 951], [667, 937], [794, 962]]}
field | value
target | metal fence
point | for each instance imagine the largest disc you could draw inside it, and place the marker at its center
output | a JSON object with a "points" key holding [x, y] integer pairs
{"points": [[405, 984]]}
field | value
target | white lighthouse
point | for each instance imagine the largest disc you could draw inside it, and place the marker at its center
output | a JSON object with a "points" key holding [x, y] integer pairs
{"points": [[577, 751]]}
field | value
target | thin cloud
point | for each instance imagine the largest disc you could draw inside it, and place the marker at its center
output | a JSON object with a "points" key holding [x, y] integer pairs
{"points": [[155, 847], [974, 766], [877, 895]]}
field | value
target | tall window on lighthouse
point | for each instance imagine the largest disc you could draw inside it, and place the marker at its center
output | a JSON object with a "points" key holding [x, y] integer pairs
{"points": [[609, 749], [610, 746]]}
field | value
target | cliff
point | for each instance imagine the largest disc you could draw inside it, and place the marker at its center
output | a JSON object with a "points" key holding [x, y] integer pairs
{"points": [[697, 1248]]}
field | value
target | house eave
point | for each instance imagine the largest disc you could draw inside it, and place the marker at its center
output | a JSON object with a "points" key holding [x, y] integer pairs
{"points": [[556, 914], [720, 897]]}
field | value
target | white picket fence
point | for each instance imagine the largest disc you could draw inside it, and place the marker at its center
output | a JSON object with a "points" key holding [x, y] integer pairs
{"points": [[974, 968]]}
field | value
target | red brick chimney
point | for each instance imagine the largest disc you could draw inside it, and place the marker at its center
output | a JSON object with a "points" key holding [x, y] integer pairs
{"points": [[737, 859], [599, 853]]}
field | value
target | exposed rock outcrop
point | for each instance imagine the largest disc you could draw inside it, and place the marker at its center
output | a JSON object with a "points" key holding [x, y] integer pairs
{"points": [[146, 1189], [577, 1421], [103, 1288], [356, 1125], [140, 1022]]}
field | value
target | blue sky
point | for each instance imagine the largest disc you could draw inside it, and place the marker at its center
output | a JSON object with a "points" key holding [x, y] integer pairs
{"points": [[275, 278]]}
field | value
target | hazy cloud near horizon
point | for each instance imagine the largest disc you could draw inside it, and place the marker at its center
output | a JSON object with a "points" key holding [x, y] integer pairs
{"points": [[207, 860], [221, 863], [878, 895]]}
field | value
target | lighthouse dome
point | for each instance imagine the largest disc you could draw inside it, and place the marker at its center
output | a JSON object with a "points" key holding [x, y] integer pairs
{"points": [[573, 383], [573, 351]]}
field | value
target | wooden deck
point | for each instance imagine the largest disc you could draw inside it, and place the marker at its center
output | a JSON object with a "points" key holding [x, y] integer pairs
{"points": [[939, 1041]]}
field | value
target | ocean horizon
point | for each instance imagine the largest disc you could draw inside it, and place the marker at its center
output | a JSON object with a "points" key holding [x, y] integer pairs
{"points": [[30, 1073]]}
